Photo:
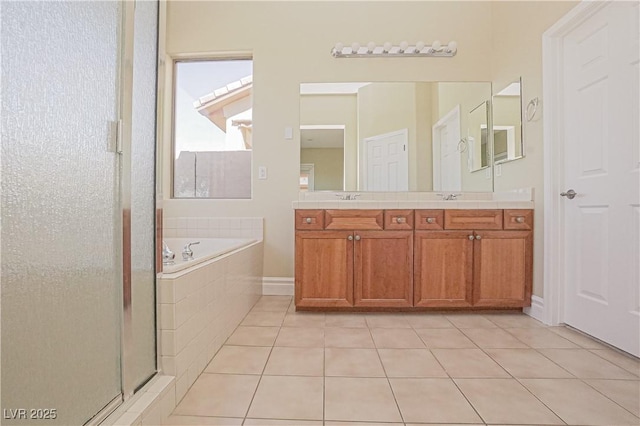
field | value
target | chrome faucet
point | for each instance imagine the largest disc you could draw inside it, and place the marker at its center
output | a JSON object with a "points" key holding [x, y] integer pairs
{"points": [[167, 255], [347, 196], [449, 197], [187, 253]]}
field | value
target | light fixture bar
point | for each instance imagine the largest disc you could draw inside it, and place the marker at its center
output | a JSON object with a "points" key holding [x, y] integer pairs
{"points": [[387, 50]]}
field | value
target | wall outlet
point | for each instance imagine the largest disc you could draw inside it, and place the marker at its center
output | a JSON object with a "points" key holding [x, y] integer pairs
{"points": [[498, 170], [487, 173], [262, 172]]}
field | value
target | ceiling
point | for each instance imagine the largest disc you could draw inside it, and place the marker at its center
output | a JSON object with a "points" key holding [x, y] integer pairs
{"points": [[321, 138]]}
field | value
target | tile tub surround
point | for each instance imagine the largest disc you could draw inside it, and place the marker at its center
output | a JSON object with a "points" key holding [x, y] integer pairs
{"points": [[213, 227], [282, 367], [199, 308], [517, 199]]}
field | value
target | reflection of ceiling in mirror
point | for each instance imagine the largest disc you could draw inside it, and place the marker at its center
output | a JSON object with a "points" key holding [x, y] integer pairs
{"points": [[330, 88], [321, 138], [511, 90]]}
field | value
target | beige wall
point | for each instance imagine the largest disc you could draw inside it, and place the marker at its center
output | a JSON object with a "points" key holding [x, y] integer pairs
{"points": [[290, 44], [517, 52], [327, 167]]}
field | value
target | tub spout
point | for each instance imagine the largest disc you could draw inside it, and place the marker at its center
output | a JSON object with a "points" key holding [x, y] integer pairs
{"points": [[187, 253], [167, 254]]}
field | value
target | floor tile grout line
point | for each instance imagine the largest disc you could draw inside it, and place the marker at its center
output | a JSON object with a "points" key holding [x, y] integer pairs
{"points": [[606, 396], [261, 375], [631, 357], [395, 399]]}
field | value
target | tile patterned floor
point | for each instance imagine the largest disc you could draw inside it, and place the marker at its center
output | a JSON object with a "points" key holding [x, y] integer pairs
{"points": [[282, 367]]}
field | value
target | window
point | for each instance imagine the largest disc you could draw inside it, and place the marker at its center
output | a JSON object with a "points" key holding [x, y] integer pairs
{"points": [[212, 128]]}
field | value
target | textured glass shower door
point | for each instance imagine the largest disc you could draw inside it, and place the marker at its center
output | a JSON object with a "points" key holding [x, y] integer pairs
{"points": [[61, 220]]}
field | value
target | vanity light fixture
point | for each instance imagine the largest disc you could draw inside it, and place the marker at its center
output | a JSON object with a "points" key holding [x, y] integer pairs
{"points": [[404, 49]]}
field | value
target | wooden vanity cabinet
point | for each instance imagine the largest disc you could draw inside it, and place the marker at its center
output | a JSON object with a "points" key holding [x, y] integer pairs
{"points": [[324, 269], [472, 264], [383, 269]]}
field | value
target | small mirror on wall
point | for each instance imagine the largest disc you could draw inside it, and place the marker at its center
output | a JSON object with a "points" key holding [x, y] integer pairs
{"points": [[477, 138], [508, 141]]}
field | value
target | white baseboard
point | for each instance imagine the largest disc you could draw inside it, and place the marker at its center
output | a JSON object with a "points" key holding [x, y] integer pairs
{"points": [[277, 286], [537, 308]]}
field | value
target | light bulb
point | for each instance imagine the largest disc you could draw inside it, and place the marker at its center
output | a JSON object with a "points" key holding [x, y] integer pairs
{"points": [[339, 46], [403, 46], [386, 47], [436, 45], [419, 46], [370, 46], [452, 47], [355, 46]]}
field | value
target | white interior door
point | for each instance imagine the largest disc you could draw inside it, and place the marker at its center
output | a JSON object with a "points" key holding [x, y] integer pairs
{"points": [[447, 171], [387, 162], [601, 160]]}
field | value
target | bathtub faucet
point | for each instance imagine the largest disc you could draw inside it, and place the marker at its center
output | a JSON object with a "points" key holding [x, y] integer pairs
{"points": [[187, 253]]}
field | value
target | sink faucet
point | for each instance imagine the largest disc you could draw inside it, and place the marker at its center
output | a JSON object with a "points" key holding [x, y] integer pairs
{"points": [[348, 196], [167, 255], [187, 253], [449, 197]]}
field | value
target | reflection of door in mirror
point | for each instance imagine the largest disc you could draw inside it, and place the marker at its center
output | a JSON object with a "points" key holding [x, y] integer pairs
{"points": [[385, 163], [322, 158], [447, 174], [508, 142]]}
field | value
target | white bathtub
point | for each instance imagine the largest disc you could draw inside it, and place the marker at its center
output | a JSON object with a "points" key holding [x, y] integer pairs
{"points": [[208, 248]]}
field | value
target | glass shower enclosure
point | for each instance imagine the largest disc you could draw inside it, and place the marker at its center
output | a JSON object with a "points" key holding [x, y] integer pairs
{"points": [[78, 207]]}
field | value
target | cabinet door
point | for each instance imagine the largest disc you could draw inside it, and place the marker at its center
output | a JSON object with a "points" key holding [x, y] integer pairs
{"points": [[443, 268], [503, 268], [383, 268], [324, 269]]}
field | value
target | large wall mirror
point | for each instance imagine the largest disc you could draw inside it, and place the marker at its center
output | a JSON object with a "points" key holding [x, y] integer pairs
{"points": [[508, 140], [395, 136]]}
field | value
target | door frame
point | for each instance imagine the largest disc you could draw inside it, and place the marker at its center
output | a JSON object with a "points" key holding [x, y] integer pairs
{"points": [[362, 163], [436, 144], [554, 160]]}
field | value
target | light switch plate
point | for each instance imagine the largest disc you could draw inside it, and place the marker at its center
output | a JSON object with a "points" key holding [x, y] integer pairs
{"points": [[262, 172], [498, 170], [288, 133]]}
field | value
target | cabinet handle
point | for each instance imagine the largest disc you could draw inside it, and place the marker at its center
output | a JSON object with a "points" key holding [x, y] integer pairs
{"points": [[470, 237], [520, 219], [400, 220], [357, 237], [478, 237], [431, 220], [308, 220], [350, 238]]}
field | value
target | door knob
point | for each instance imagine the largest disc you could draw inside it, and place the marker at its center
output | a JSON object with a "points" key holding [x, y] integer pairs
{"points": [[350, 238], [478, 237], [430, 220], [471, 237], [570, 194], [357, 237], [308, 220], [520, 219], [400, 220]]}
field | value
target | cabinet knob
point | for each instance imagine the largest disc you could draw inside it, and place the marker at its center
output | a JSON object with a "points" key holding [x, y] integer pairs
{"points": [[431, 219], [400, 220], [308, 220], [357, 237], [350, 238], [478, 237], [471, 237], [520, 219]]}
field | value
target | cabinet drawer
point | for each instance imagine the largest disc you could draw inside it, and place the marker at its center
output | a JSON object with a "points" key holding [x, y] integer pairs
{"points": [[398, 219], [312, 220], [518, 219], [353, 219], [429, 219], [473, 219]]}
